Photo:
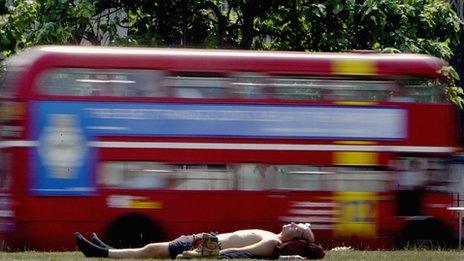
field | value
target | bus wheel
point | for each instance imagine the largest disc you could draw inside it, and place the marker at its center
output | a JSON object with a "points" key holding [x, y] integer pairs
{"points": [[426, 233], [133, 230]]}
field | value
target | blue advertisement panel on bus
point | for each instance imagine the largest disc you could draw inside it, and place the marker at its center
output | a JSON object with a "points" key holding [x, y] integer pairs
{"points": [[63, 159]]}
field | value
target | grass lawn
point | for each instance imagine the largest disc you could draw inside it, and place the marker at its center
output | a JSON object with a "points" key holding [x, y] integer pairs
{"points": [[409, 255]]}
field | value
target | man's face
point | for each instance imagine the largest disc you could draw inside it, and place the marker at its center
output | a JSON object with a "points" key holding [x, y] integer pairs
{"points": [[297, 230]]}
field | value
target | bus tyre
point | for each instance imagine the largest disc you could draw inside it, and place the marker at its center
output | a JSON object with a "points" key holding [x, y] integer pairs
{"points": [[426, 233], [133, 230]]}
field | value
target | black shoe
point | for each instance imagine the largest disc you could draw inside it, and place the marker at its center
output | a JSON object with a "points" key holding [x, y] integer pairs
{"points": [[88, 248], [94, 239]]}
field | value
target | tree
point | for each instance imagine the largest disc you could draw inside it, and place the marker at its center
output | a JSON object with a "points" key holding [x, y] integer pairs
{"points": [[333, 25], [37, 22], [339, 25]]}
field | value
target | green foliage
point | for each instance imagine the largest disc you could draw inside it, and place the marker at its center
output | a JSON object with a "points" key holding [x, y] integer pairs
{"points": [[14, 26], [37, 22], [427, 26], [163, 23], [454, 93]]}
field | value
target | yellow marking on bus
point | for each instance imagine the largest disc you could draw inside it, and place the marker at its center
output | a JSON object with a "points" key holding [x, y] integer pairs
{"points": [[145, 204], [355, 142], [355, 158], [357, 215], [355, 103], [354, 67]]}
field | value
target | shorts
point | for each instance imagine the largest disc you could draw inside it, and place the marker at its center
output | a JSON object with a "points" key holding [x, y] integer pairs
{"points": [[179, 245]]}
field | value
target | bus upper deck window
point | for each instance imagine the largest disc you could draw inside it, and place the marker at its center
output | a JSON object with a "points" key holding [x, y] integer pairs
{"points": [[251, 86], [195, 85], [100, 82], [422, 90], [332, 88]]}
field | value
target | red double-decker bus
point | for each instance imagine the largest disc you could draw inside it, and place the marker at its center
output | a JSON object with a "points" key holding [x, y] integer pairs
{"points": [[141, 145]]}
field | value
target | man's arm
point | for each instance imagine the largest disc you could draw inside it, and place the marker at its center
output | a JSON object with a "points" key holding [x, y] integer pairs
{"points": [[264, 248]]}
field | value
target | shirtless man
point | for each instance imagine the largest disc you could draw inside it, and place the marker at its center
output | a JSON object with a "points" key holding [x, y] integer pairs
{"points": [[255, 242]]}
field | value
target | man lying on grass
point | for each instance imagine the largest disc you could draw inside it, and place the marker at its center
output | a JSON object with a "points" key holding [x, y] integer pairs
{"points": [[294, 239]]}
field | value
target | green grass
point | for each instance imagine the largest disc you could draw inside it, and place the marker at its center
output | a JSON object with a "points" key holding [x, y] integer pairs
{"points": [[408, 255]]}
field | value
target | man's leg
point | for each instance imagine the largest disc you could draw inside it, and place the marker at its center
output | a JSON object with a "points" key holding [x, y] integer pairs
{"points": [[154, 250]]}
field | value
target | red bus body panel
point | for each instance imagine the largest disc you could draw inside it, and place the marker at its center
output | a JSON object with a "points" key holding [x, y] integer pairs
{"points": [[49, 222]]}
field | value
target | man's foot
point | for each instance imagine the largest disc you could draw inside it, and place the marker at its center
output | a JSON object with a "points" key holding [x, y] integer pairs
{"points": [[88, 248], [205, 247], [94, 239]]}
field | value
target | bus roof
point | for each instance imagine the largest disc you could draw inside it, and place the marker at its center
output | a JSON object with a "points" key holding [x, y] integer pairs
{"points": [[203, 60]]}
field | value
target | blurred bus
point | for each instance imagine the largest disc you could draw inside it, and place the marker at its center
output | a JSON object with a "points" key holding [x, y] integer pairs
{"points": [[142, 145]]}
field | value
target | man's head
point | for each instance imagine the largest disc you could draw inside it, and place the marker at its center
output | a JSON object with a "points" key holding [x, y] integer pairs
{"points": [[302, 248], [296, 231]]}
